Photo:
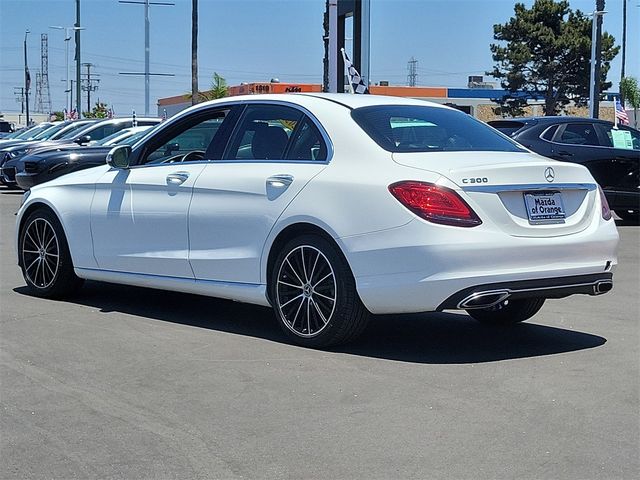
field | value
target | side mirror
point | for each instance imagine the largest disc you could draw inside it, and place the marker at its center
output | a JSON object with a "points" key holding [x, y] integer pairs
{"points": [[118, 157], [83, 139]]}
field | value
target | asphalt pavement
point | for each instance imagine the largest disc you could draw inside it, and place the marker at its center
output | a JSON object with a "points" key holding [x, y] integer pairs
{"points": [[124, 382]]}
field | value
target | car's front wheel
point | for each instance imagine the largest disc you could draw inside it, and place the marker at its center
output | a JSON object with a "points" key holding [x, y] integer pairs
{"points": [[314, 295], [44, 256], [508, 311]]}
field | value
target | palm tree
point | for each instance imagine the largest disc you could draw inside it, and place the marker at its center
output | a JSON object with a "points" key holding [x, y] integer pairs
{"points": [[194, 53]]}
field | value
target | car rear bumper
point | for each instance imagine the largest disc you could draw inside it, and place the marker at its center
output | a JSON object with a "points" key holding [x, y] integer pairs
{"points": [[418, 268]]}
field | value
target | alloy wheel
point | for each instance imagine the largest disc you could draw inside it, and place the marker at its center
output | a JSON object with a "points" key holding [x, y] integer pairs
{"points": [[40, 253], [306, 291]]}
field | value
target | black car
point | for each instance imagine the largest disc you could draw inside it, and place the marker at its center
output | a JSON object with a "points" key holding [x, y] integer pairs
{"points": [[91, 132], [44, 165], [612, 154]]}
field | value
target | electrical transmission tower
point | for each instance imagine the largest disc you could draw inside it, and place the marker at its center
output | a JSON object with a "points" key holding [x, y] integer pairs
{"points": [[412, 66], [89, 83], [43, 95]]}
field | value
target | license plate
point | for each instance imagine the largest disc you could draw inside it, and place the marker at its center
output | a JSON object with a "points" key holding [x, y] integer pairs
{"points": [[544, 207]]}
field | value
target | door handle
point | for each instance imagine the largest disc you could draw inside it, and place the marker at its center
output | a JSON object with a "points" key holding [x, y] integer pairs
{"points": [[177, 178], [280, 181], [564, 153]]}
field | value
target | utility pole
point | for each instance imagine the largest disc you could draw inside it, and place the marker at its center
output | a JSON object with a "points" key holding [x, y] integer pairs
{"points": [[600, 8], [594, 94], [147, 74], [78, 61], [624, 47], [195, 95], [88, 84], [27, 76], [68, 91], [412, 66], [19, 93]]}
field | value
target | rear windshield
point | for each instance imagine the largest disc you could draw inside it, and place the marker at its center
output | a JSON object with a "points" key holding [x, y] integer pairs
{"points": [[507, 127], [413, 128]]}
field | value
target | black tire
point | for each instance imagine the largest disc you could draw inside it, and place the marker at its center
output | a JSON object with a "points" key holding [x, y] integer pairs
{"points": [[39, 250], [508, 312], [326, 276]]}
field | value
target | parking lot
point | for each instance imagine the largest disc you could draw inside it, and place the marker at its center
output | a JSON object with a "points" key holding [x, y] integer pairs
{"points": [[124, 382]]}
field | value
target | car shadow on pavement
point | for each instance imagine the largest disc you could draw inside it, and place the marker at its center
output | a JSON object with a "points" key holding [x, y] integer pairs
{"points": [[433, 338]]}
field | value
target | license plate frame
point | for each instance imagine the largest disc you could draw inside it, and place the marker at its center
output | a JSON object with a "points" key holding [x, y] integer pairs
{"points": [[544, 207]]}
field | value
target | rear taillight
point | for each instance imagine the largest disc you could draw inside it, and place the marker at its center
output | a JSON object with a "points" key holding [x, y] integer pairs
{"points": [[606, 211], [435, 203]]}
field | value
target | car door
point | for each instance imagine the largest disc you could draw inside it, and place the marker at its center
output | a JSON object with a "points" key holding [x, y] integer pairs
{"points": [[623, 145], [274, 152], [139, 215], [578, 142]]}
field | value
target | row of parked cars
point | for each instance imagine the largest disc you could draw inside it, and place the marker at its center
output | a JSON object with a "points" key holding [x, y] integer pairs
{"points": [[51, 149]]}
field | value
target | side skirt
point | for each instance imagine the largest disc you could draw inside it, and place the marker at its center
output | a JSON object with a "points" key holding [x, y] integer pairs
{"points": [[240, 292]]}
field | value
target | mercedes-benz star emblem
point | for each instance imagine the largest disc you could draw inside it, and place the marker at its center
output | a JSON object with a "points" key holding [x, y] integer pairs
{"points": [[549, 174]]}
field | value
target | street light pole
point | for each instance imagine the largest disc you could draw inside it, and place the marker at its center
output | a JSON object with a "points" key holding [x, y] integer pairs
{"points": [[27, 76], [78, 61], [592, 87], [67, 39]]}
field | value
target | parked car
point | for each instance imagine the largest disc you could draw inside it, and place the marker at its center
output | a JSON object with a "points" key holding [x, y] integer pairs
{"points": [[613, 158], [25, 134], [93, 131], [5, 128], [46, 165], [313, 205]]}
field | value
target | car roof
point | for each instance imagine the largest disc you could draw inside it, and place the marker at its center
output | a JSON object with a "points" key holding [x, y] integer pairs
{"points": [[347, 100]]}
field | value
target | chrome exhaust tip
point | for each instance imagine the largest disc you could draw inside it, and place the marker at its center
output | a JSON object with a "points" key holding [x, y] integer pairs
{"points": [[602, 286], [484, 299]]}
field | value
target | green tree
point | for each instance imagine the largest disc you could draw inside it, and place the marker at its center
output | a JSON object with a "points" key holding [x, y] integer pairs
{"points": [[100, 110], [59, 116], [544, 52], [630, 91], [219, 88]]}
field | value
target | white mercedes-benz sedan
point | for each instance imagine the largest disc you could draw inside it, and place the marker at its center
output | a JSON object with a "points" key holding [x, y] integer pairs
{"points": [[328, 208]]}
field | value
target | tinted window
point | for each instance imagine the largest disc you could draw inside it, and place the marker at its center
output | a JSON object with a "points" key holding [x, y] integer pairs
{"points": [[409, 128], [108, 129], [606, 134], [263, 133], [549, 132], [307, 143], [506, 126], [579, 134], [196, 138]]}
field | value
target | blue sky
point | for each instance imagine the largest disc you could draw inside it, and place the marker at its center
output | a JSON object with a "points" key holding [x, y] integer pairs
{"points": [[255, 40]]}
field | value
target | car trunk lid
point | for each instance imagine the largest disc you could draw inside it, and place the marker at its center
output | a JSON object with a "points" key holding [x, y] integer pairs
{"points": [[523, 194]]}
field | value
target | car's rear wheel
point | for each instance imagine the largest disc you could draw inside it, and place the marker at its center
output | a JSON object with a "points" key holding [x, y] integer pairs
{"points": [[508, 311], [44, 256], [314, 295]]}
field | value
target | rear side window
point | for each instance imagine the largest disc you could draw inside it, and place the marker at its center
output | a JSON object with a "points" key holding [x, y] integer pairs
{"points": [[264, 132], [409, 128], [579, 134], [549, 133]]}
